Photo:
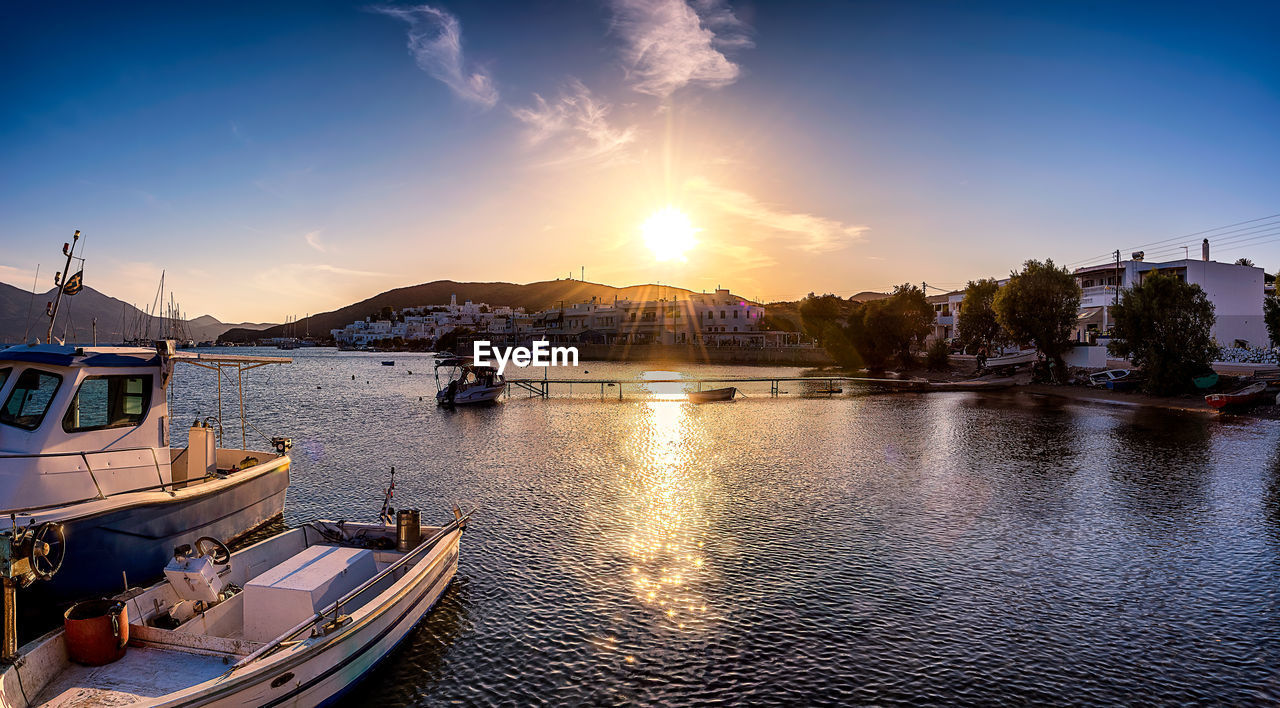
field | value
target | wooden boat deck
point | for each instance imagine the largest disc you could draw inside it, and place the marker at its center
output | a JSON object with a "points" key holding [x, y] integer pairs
{"points": [[143, 675]]}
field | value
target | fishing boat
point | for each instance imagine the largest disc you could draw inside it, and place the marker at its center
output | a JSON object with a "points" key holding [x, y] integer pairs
{"points": [[84, 448], [297, 619], [84, 442], [712, 394], [1250, 395], [466, 383]]}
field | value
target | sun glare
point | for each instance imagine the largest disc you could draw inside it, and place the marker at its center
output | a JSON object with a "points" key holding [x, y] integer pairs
{"points": [[669, 234]]}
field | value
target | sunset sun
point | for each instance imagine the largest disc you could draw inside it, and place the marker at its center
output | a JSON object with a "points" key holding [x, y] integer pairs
{"points": [[669, 234]]}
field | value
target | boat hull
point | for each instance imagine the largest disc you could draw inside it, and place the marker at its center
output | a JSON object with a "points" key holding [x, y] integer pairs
{"points": [[1247, 396], [138, 540], [715, 394], [481, 394], [321, 677]]}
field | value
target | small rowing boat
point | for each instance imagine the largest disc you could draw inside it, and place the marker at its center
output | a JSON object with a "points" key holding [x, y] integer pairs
{"points": [[1252, 394], [713, 394]]}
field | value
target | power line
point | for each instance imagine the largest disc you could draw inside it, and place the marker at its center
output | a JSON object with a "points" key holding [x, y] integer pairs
{"points": [[1178, 238]]}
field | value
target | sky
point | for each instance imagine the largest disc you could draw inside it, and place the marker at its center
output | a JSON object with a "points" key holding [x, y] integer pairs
{"points": [[287, 158]]}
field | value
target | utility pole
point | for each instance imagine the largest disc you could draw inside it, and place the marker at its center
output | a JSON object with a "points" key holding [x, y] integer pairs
{"points": [[1117, 276]]}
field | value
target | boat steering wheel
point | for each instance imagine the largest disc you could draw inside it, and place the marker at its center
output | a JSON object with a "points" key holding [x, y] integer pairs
{"points": [[215, 549], [50, 540]]}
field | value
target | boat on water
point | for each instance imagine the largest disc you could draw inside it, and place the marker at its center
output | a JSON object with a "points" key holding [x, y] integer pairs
{"points": [[1250, 395], [84, 444], [713, 394], [466, 383], [297, 619]]}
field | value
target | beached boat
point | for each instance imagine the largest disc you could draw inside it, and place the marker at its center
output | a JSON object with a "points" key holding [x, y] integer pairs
{"points": [[1250, 395], [1012, 359], [467, 384], [1207, 380], [84, 442], [713, 394], [1102, 378], [294, 620]]}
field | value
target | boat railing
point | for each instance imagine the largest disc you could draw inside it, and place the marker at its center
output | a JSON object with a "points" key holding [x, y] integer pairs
{"points": [[334, 607], [84, 457]]}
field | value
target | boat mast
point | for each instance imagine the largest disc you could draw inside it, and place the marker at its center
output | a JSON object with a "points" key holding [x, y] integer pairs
{"points": [[59, 279]]}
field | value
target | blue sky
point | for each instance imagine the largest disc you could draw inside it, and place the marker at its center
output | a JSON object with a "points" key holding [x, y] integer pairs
{"points": [[285, 158]]}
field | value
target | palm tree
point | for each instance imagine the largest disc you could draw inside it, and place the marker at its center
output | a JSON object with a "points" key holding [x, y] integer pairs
{"points": [[1244, 262]]}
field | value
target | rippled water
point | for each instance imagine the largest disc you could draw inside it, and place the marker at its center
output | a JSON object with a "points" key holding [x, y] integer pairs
{"points": [[944, 548]]}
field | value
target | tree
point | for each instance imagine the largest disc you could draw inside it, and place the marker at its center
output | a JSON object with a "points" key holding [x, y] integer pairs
{"points": [[1163, 325], [1038, 307], [883, 329], [1271, 315], [816, 311], [977, 324], [1244, 262]]}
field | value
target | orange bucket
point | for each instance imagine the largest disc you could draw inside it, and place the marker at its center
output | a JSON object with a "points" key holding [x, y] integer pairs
{"points": [[96, 631]]}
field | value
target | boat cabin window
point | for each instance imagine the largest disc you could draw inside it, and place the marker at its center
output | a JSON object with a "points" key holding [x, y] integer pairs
{"points": [[30, 398], [108, 402], [4, 375]]}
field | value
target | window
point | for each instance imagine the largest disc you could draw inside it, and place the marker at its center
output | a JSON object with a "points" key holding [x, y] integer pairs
{"points": [[30, 399], [722, 314], [735, 314], [108, 402], [4, 375]]}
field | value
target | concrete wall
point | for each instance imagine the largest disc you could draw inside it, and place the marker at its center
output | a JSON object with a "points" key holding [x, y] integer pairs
{"points": [[1089, 357]]}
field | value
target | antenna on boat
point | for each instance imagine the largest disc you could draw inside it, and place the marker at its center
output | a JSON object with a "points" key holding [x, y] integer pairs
{"points": [[59, 280]]}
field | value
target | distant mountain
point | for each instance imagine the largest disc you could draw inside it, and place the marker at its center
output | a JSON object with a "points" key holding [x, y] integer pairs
{"points": [[208, 328], [532, 297], [868, 296], [23, 317]]}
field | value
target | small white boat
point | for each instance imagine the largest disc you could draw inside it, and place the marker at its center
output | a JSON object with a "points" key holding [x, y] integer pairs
{"points": [[1027, 356], [1103, 378], [468, 384], [294, 620], [713, 394]]}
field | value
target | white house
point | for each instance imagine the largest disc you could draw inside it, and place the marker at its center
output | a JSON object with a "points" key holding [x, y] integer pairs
{"points": [[1236, 292]]}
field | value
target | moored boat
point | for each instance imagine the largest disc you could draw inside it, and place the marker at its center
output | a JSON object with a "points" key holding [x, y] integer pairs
{"points": [[468, 384], [713, 394], [84, 442], [296, 619], [1250, 395]]}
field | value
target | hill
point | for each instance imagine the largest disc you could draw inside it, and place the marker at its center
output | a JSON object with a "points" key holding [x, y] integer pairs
{"points": [[21, 314], [209, 328], [532, 297]]}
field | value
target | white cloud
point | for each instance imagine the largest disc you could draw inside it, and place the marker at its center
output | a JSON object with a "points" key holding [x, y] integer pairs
{"points": [[814, 234], [670, 44], [575, 126], [313, 240], [435, 41]]}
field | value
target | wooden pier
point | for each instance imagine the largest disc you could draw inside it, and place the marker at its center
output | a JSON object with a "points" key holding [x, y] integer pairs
{"points": [[542, 388]]}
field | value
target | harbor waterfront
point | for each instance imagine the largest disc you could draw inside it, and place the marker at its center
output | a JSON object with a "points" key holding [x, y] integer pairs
{"points": [[857, 547]]}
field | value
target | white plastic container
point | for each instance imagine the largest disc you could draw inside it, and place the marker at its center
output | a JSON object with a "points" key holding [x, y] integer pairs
{"points": [[299, 587]]}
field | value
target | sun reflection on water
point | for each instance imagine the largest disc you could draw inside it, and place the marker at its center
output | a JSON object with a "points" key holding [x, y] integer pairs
{"points": [[663, 502]]}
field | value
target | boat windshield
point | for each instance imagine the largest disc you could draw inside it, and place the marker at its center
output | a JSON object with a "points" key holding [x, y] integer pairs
{"points": [[4, 375], [30, 399]]}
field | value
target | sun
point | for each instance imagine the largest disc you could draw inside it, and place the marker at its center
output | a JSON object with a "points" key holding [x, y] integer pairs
{"points": [[669, 234]]}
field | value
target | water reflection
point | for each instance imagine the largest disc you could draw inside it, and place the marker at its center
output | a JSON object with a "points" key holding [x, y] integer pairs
{"points": [[663, 507], [1161, 462]]}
